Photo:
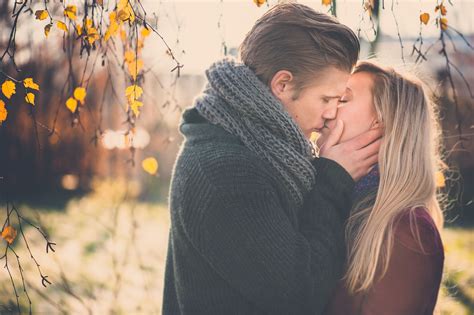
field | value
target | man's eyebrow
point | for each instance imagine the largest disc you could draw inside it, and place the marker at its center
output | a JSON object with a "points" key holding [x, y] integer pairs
{"points": [[330, 96]]}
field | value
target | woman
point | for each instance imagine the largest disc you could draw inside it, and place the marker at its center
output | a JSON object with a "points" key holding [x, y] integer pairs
{"points": [[394, 251]]}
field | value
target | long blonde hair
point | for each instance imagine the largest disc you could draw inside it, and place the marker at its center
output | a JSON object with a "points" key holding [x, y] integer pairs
{"points": [[408, 162]]}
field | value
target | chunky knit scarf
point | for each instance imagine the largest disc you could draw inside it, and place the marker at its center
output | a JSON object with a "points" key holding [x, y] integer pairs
{"points": [[241, 104]]}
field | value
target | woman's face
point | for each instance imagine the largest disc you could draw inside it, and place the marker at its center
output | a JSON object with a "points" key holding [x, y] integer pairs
{"points": [[356, 109]]}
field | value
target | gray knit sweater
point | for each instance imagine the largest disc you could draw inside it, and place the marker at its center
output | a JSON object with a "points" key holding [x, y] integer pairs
{"points": [[238, 244]]}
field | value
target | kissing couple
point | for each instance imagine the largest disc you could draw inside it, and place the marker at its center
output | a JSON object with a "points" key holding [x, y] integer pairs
{"points": [[265, 221]]}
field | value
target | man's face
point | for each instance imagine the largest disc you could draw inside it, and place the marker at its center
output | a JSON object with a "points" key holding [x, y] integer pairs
{"points": [[318, 101]]}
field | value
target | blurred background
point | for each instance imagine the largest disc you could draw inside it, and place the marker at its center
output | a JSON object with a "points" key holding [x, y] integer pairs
{"points": [[92, 183]]}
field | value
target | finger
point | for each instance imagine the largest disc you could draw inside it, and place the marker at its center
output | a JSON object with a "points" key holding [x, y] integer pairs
{"points": [[366, 138], [371, 161], [335, 135], [371, 149]]}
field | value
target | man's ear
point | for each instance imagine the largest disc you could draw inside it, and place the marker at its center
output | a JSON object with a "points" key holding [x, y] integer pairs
{"points": [[375, 124], [280, 85]]}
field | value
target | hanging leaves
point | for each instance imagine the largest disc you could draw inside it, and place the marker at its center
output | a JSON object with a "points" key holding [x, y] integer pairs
{"points": [[8, 88], [9, 234], [71, 104], [424, 18], [442, 9], [41, 14], [80, 94], [70, 12], [61, 26], [326, 2], [259, 3], [150, 165], [133, 91], [30, 98], [47, 29], [440, 180], [30, 84], [3, 112]]}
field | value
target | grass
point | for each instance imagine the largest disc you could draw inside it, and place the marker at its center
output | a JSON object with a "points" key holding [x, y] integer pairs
{"points": [[111, 250]]}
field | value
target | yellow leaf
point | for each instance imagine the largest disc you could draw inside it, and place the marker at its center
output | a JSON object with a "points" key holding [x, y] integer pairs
{"points": [[70, 12], [3, 112], [80, 94], [88, 23], [133, 91], [145, 32], [71, 104], [123, 34], [259, 3], [135, 67], [443, 22], [30, 98], [150, 165], [8, 88], [326, 2], [111, 30], [424, 18], [440, 180], [92, 35], [41, 14], [61, 26], [29, 83], [129, 56], [135, 106], [100, 2], [9, 234], [314, 136], [47, 28], [79, 29]]}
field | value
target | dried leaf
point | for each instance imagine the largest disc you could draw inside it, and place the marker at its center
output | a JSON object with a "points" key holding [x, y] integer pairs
{"points": [[424, 18], [70, 12], [30, 84], [30, 98], [47, 29], [9, 234], [442, 9], [3, 112], [71, 104], [41, 14], [150, 165], [8, 88]]}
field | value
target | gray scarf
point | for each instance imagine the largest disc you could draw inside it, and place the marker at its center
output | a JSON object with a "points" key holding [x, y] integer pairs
{"points": [[239, 102]]}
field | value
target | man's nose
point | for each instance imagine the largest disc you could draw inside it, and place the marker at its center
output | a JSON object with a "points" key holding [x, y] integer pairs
{"points": [[330, 112]]}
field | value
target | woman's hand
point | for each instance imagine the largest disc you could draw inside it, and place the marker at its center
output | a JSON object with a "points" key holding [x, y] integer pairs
{"points": [[357, 155]]}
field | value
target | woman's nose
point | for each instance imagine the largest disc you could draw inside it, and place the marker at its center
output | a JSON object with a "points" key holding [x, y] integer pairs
{"points": [[330, 112]]}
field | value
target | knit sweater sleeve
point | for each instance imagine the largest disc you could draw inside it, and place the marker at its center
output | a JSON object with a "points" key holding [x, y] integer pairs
{"points": [[244, 233]]}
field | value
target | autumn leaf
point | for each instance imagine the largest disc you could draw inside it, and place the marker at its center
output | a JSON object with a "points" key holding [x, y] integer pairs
{"points": [[424, 18], [61, 26], [80, 94], [71, 104], [30, 98], [259, 3], [135, 67], [70, 12], [8, 88], [440, 180], [314, 136], [326, 2], [111, 30], [133, 90], [79, 29], [47, 29], [88, 24], [145, 32], [92, 35], [41, 14], [30, 84], [3, 112], [443, 22], [129, 56], [150, 165], [9, 234], [135, 106]]}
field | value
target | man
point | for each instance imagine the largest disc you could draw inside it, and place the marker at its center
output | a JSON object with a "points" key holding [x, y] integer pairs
{"points": [[256, 222]]}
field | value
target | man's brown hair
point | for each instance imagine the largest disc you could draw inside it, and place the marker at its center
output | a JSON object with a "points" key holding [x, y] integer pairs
{"points": [[296, 38]]}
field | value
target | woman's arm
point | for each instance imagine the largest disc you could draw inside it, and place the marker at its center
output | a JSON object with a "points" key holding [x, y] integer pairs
{"points": [[412, 281]]}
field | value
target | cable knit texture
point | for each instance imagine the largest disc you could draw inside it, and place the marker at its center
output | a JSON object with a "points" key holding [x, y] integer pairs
{"points": [[239, 102], [238, 243]]}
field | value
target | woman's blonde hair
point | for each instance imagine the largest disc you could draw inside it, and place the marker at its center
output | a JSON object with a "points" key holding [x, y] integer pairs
{"points": [[408, 162]]}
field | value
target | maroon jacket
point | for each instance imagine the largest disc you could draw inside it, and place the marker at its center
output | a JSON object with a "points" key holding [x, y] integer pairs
{"points": [[411, 284]]}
